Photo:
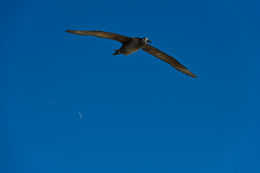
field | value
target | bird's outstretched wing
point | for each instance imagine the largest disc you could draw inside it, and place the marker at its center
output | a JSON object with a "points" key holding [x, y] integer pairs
{"points": [[102, 34], [170, 60]]}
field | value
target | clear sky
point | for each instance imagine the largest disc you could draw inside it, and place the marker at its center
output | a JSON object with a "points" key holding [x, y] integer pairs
{"points": [[67, 105]]}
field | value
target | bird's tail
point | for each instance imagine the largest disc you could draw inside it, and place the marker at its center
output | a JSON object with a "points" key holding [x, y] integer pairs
{"points": [[117, 52]]}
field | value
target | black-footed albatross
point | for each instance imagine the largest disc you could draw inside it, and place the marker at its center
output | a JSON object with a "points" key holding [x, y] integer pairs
{"points": [[133, 44]]}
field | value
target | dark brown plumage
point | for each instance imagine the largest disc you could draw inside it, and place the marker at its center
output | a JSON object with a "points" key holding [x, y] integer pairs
{"points": [[170, 60], [133, 44], [102, 34]]}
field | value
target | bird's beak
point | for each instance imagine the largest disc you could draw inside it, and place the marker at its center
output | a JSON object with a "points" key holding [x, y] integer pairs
{"points": [[149, 41]]}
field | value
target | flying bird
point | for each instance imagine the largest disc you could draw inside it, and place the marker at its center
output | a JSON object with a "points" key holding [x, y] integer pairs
{"points": [[133, 44]]}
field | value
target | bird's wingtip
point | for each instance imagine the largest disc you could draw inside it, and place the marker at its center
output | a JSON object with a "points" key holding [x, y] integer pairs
{"points": [[189, 73], [194, 76], [75, 32], [70, 31]]}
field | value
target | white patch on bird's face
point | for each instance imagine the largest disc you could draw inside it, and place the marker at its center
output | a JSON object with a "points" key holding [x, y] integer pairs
{"points": [[145, 39]]}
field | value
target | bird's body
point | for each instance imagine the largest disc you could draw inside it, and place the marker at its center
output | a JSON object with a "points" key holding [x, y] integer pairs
{"points": [[133, 44]]}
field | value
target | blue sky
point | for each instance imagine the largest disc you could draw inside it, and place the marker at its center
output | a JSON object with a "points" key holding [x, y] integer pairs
{"points": [[138, 113]]}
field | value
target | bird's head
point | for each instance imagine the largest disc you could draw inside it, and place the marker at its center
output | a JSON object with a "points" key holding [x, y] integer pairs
{"points": [[146, 40]]}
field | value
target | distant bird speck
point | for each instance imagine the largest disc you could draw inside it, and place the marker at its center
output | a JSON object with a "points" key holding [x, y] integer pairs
{"points": [[80, 115], [133, 44]]}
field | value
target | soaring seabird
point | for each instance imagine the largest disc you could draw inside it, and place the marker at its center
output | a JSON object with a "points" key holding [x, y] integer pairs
{"points": [[133, 44]]}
